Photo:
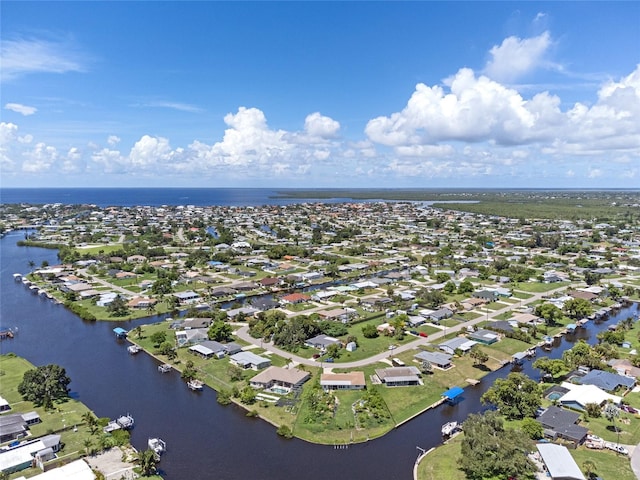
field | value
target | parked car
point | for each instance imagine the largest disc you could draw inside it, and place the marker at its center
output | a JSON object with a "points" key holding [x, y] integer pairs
{"points": [[316, 355], [422, 334], [628, 408], [329, 360], [594, 438], [413, 332], [392, 347]]}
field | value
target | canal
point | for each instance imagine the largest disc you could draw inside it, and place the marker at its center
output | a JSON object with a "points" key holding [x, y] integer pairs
{"points": [[204, 439]]}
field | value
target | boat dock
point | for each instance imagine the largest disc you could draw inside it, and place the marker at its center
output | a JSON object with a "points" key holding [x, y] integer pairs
{"points": [[164, 368]]}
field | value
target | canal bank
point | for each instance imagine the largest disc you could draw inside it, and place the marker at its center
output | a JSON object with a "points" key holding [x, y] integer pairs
{"points": [[205, 438]]}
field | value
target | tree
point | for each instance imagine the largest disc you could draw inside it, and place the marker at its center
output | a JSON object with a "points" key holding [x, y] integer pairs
{"points": [[449, 288], [158, 337], [589, 468], [333, 350], [578, 308], [491, 451], [44, 385], [516, 396], [91, 421], [248, 395], [369, 331], [549, 312], [611, 412], [465, 286], [532, 428], [593, 410], [166, 348], [581, 354], [138, 332], [478, 355], [118, 307], [550, 366], [219, 331], [147, 462], [426, 366], [189, 372]]}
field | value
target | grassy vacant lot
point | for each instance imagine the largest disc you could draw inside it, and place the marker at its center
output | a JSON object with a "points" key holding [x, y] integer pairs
{"points": [[442, 462], [608, 464], [537, 287]]}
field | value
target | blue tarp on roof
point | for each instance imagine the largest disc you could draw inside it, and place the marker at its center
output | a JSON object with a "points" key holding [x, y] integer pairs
{"points": [[119, 331], [453, 392]]}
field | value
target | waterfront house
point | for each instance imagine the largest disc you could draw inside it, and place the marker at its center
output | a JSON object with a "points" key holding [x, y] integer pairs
{"points": [[458, 343], [294, 298], [342, 381], [437, 359], [211, 348], [191, 336], [607, 381], [250, 360], [282, 379], [398, 376], [187, 297], [21, 457], [483, 336], [579, 396]]}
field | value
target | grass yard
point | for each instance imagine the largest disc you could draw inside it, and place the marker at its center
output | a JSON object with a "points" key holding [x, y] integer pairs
{"points": [[608, 464], [537, 287], [442, 462], [521, 295]]}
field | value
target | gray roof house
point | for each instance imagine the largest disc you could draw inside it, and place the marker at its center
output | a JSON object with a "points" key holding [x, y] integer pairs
{"points": [[440, 314], [194, 335], [249, 360], [559, 422], [321, 341], [210, 348], [486, 337], [440, 360], [457, 343], [607, 381], [399, 376]]}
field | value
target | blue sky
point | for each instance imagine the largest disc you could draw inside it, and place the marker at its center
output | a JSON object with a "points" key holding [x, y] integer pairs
{"points": [[320, 94]]}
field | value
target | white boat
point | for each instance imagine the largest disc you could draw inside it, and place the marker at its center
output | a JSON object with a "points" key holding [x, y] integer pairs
{"points": [[133, 349], [449, 428], [164, 368], [195, 384], [158, 446]]}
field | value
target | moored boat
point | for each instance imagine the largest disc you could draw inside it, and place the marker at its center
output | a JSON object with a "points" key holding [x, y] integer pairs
{"points": [[195, 385], [448, 428], [133, 349], [158, 446]]}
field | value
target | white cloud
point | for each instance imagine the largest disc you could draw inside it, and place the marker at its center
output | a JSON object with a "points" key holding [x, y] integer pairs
{"points": [[478, 109], [113, 140], [317, 125], [24, 56], [40, 159], [516, 57], [22, 109], [148, 152]]}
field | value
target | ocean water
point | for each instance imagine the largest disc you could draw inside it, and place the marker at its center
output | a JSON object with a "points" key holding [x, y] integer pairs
{"points": [[104, 197]]}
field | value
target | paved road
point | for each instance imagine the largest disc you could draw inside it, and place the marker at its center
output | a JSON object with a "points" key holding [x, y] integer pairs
{"points": [[243, 333], [635, 461]]}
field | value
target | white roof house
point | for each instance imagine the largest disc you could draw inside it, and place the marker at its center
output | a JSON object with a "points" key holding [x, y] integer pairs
{"points": [[78, 470], [559, 462], [581, 395]]}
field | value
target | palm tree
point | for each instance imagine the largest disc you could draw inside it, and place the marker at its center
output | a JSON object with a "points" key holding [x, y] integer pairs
{"points": [[147, 462], [589, 467], [611, 412], [138, 332], [87, 444], [92, 422]]}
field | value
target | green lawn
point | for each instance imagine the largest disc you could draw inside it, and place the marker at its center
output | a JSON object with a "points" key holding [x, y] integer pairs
{"points": [[537, 287], [609, 465], [442, 463]]}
